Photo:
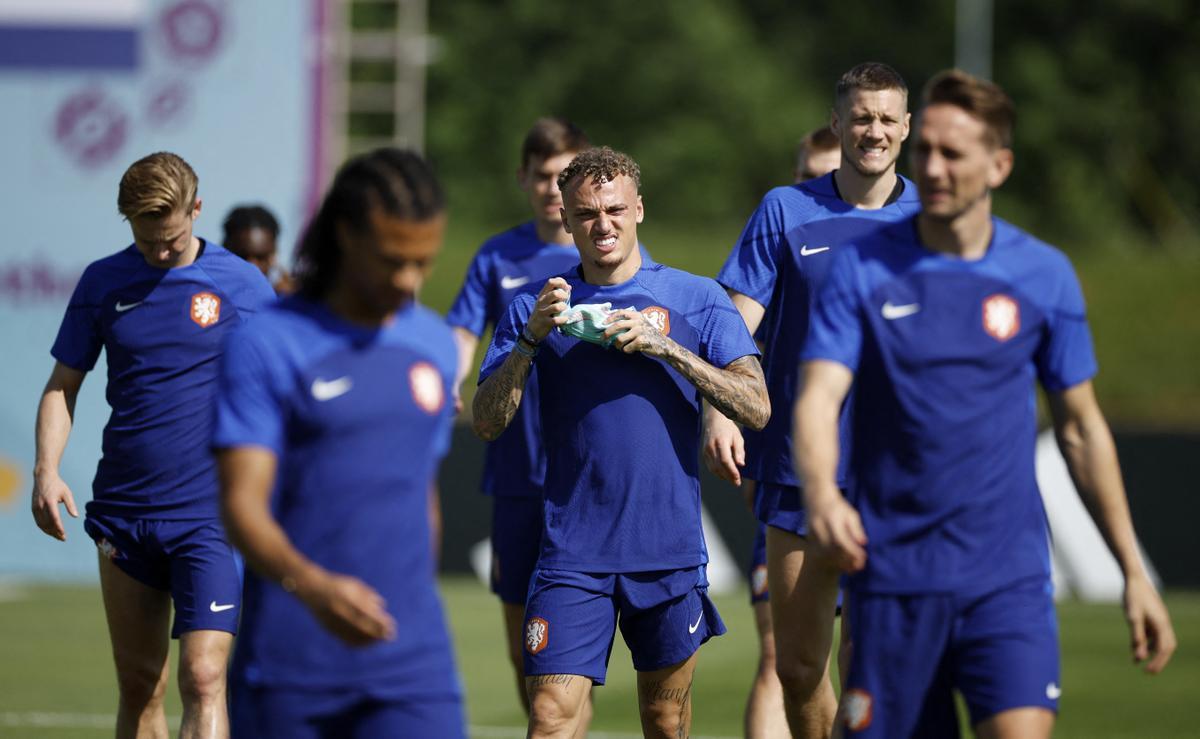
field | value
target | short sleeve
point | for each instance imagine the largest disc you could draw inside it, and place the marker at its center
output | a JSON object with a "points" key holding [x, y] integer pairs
{"points": [[469, 310], [505, 335], [835, 328], [1065, 356], [753, 265], [248, 409], [724, 337], [79, 340]]}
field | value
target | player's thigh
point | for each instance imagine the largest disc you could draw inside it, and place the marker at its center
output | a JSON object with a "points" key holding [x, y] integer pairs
{"points": [[570, 621], [206, 576], [1006, 652], [666, 691], [516, 542], [138, 616], [804, 593], [900, 683], [1017, 723]]}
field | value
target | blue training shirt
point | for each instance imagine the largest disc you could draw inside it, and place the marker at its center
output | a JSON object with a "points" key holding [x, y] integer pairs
{"points": [[945, 354], [622, 430], [162, 332], [509, 263], [358, 419], [780, 261]]}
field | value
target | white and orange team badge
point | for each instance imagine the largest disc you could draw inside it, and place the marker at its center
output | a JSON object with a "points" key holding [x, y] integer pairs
{"points": [[426, 385], [660, 317], [537, 634], [857, 705], [206, 309], [1001, 317]]}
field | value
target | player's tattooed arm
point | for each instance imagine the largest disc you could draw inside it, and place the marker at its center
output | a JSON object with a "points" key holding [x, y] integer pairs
{"points": [[499, 396]]}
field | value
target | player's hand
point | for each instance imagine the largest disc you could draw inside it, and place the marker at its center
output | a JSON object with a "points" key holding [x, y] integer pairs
{"points": [[551, 301], [837, 529], [49, 491], [634, 332], [1152, 638], [349, 608], [723, 449]]}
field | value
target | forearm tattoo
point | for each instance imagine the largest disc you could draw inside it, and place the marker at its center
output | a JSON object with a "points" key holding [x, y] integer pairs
{"points": [[499, 396], [738, 391]]}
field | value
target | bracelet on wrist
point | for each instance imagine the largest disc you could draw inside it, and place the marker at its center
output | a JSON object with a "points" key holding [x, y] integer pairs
{"points": [[528, 336], [523, 347]]}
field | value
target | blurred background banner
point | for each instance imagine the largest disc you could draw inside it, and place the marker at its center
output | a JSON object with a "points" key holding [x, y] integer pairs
{"points": [[88, 87]]}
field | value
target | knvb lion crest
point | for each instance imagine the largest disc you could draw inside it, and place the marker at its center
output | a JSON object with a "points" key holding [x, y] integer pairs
{"points": [[537, 634], [758, 581], [857, 704], [107, 549], [1001, 317], [206, 309], [660, 317], [426, 385]]}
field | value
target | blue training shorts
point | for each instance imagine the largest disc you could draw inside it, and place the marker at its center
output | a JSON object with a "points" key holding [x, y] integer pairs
{"points": [[759, 590], [274, 713], [516, 543], [571, 619], [1000, 650], [190, 558], [781, 506]]}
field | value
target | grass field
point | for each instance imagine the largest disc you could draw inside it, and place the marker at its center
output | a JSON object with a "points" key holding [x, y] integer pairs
{"points": [[56, 675]]}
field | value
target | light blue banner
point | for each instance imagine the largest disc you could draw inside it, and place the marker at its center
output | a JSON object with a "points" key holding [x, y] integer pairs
{"points": [[231, 87]]}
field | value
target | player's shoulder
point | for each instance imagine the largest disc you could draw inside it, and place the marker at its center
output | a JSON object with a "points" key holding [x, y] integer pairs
{"points": [[1017, 244], [1041, 271], [513, 242], [217, 260], [679, 284], [802, 202], [110, 268]]}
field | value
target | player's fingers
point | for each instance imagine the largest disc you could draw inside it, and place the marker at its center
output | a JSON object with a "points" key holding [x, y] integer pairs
{"points": [[69, 501], [1162, 644], [726, 469], [739, 450], [1137, 636]]}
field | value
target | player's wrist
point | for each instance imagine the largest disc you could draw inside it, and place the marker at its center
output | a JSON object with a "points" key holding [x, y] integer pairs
{"points": [[532, 334]]}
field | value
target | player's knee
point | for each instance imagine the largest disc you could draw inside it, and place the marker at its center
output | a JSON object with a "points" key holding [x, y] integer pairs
{"points": [[799, 677], [141, 683], [551, 712], [202, 678], [663, 719]]}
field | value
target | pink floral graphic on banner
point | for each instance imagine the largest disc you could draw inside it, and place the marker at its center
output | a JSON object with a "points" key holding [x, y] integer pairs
{"points": [[91, 127], [167, 103], [192, 30]]}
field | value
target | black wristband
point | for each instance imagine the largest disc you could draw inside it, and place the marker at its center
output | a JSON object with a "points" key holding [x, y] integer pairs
{"points": [[528, 336]]}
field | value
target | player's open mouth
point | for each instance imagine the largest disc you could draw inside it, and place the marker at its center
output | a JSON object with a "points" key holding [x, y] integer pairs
{"points": [[606, 243]]}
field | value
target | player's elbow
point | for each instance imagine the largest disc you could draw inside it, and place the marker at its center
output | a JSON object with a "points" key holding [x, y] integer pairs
{"points": [[759, 411], [485, 430]]}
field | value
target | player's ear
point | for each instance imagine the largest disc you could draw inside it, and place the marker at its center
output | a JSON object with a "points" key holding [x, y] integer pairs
{"points": [[641, 211], [521, 177], [834, 121], [907, 126], [562, 213], [1000, 166], [196, 208]]}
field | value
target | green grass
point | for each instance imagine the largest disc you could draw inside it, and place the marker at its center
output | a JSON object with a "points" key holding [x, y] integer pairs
{"points": [[1143, 307], [54, 659]]}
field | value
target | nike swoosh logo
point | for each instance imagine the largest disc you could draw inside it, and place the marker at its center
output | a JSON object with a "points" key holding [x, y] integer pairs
{"points": [[892, 312], [693, 627], [806, 252], [1053, 692], [217, 609], [122, 307], [508, 283], [330, 389]]}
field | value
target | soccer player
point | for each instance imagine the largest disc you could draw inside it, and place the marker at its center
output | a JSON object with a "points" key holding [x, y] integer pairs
{"points": [[251, 232], [818, 154], [159, 309], [518, 260], [772, 276], [620, 418], [332, 415], [942, 321]]}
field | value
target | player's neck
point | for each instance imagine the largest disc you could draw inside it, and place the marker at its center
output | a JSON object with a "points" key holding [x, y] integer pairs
{"points": [[966, 236], [347, 304], [596, 275], [553, 233], [868, 192]]}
